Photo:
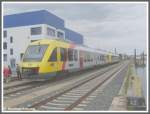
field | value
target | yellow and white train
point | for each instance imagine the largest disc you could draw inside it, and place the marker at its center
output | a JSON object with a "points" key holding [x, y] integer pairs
{"points": [[45, 58]]}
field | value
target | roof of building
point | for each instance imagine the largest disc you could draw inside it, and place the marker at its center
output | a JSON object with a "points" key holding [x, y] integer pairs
{"points": [[32, 18]]}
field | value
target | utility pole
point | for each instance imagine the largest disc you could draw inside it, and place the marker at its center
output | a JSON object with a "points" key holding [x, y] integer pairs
{"points": [[143, 58], [135, 56], [115, 51]]}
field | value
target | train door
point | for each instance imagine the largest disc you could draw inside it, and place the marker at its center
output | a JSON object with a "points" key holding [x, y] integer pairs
{"points": [[53, 60], [109, 58], [72, 64], [62, 59]]}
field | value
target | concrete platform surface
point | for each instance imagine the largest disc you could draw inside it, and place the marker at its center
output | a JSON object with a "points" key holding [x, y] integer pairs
{"points": [[119, 103]]}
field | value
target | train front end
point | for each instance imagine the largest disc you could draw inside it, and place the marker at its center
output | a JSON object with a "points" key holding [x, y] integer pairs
{"points": [[33, 65]]}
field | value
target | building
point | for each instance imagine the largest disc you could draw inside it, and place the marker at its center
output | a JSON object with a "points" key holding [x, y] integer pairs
{"points": [[21, 29]]}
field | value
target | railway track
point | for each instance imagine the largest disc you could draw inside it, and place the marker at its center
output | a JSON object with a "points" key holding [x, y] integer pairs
{"points": [[18, 90], [71, 98], [17, 85], [25, 88]]}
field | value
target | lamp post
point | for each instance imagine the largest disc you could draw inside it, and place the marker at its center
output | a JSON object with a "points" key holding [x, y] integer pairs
{"points": [[135, 56]]}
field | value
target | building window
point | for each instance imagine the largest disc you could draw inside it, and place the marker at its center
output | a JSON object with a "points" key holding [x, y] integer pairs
{"points": [[36, 31], [33, 40], [12, 62], [5, 45], [50, 32], [60, 34], [5, 33], [11, 51], [5, 57], [11, 39]]}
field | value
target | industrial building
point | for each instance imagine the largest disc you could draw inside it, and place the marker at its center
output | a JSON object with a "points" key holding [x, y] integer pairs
{"points": [[21, 29]]}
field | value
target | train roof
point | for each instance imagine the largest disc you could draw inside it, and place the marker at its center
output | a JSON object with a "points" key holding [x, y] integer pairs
{"points": [[86, 48], [77, 46], [42, 41]]}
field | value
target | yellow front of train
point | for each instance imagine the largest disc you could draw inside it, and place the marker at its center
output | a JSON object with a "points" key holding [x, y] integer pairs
{"points": [[34, 63]]}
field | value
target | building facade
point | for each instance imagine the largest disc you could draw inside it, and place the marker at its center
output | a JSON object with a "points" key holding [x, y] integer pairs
{"points": [[21, 29]]}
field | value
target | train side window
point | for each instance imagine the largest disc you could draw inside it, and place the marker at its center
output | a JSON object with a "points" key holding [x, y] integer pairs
{"points": [[87, 57], [102, 57], [70, 54], [63, 54], [53, 56], [90, 57], [75, 55]]}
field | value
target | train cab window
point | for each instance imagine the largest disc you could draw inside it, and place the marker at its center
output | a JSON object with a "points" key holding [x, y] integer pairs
{"points": [[53, 56], [75, 55], [63, 54], [70, 54], [35, 52]]}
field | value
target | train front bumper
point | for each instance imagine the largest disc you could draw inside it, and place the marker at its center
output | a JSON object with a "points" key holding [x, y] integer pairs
{"points": [[29, 73]]}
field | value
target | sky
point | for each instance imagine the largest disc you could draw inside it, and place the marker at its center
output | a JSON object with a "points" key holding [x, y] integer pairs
{"points": [[104, 25]]}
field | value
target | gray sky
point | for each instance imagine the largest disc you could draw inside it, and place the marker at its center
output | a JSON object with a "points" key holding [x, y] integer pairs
{"points": [[104, 25]]}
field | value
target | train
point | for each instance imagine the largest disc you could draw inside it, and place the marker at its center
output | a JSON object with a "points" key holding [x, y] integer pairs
{"points": [[46, 58]]}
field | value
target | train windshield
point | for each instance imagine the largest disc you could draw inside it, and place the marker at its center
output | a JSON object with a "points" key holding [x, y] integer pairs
{"points": [[35, 53]]}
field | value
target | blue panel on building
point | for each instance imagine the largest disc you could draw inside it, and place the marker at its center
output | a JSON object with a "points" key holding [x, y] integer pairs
{"points": [[73, 36], [32, 18], [53, 20], [41, 17]]}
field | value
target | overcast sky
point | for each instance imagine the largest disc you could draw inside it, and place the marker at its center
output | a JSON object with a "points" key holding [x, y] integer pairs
{"points": [[104, 25]]}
